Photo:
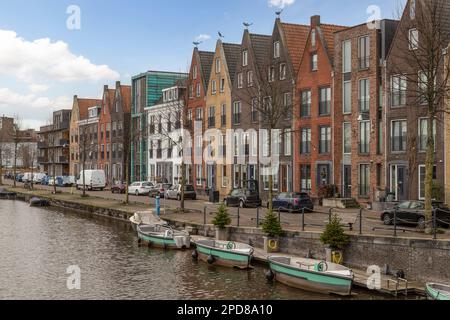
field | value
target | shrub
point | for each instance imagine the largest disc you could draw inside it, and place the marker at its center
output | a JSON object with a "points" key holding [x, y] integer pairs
{"points": [[271, 226], [334, 235], [222, 218]]}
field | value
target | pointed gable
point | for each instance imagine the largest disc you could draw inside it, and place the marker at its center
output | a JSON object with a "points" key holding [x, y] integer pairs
{"points": [[206, 59], [125, 93], [84, 105], [326, 35], [232, 52], [261, 46], [294, 37]]}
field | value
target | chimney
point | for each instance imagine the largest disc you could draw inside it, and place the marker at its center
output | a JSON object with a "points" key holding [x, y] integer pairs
{"points": [[315, 21], [105, 87], [117, 84]]}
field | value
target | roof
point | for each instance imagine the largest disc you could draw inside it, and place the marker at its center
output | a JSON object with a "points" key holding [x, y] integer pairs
{"points": [[111, 96], [327, 32], [206, 61], [85, 104], [232, 52], [296, 36], [125, 92], [260, 45], [446, 17]]}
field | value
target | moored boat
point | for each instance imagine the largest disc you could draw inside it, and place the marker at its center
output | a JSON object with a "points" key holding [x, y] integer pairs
{"points": [[136, 221], [38, 202], [437, 291], [311, 275], [163, 236], [224, 253]]}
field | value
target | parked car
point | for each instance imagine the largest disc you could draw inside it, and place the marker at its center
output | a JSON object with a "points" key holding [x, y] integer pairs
{"points": [[243, 198], [58, 181], [38, 177], [293, 201], [45, 180], [93, 179], [19, 177], [119, 187], [140, 188], [413, 212], [174, 192], [159, 190], [27, 177], [68, 181]]}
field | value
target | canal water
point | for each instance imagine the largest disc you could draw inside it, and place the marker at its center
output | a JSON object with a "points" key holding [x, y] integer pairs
{"points": [[37, 246]]}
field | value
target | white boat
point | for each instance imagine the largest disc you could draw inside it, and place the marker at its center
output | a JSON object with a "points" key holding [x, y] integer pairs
{"points": [[163, 236], [145, 217]]}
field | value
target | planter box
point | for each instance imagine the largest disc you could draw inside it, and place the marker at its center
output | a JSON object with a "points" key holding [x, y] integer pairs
{"points": [[222, 234], [271, 245]]}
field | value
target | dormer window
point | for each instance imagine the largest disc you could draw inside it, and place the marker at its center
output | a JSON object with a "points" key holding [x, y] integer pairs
{"points": [[313, 38], [412, 9], [276, 49]]}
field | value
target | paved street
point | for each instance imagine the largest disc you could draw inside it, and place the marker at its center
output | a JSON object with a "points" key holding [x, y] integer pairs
{"points": [[248, 217]]}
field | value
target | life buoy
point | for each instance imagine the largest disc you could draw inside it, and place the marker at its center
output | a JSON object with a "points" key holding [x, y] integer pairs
{"points": [[272, 244], [231, 246]]}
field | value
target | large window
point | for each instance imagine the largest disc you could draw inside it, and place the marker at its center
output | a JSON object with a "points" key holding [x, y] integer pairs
{"points": [[223, 116], [364, 52], [305, 178], [413, 39], [364, 95], [398, 90], [364, 180], [325, 101], [199, 114], [287, 143], [347, 99], [347, 56], [347, 137], [237, 113], [423, 133], [422, 176], [399, 133], [305, 142], [198, 173], [325, 140], [364, 137], [305, 107], [212, 117]]}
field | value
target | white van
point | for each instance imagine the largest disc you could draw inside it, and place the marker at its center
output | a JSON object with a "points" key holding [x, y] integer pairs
{"points": [[27, 177], [94, 179], [38, 177]]}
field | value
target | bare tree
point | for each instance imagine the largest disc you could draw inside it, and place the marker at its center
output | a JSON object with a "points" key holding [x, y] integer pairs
{"points": [[427, 38], [86, 148], [5, 137], [28, 154], [17, 139]]}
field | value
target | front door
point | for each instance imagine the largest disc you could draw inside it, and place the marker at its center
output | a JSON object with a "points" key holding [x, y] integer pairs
{"points": [[398, 182], [323, 174], [211, 173], [347, 182]]}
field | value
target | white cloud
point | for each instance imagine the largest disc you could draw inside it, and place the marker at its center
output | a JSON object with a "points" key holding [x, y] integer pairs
{"points": [[42, 60], [9, 98], [38, 88], [203, 37], [280, 3]]}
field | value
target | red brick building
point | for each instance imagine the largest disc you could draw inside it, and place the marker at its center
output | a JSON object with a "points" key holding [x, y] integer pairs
{"points": [[104, 132], [313, 148]]}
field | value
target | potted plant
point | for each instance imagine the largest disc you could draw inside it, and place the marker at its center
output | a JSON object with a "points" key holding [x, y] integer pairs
{"points": [[273, 230], [336, 239], [221, 221]]}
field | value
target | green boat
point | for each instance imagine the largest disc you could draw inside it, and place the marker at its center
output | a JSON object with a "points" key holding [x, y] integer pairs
{"points": [[224, 253], [438, 291], [311, 275], [163, 236]]}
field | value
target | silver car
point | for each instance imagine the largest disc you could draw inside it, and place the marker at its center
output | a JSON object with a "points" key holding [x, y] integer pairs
{"points": [[175, 192]]}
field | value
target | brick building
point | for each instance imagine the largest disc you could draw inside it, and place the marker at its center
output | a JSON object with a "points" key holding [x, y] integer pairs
{"points": [[105, 132]]}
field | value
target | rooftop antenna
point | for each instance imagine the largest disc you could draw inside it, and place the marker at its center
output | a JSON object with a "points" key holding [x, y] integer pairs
{"points": [[246, 25], [196, 43], [278, 13], [221, 35]]}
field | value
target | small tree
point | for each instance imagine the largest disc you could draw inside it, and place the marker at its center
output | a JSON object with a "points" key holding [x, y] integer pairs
{"points": [[271, 226], [334, 235], [222, 218]]}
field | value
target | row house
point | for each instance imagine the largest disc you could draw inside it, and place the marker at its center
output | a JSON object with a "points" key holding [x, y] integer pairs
{"points": [[407, 117], [89, 138], [314, 149], [358, 124], [447, 132], [105, 132], [166, 143], [146, 92], [197, 86], [80, 112], [54, 145], [219, 115]]}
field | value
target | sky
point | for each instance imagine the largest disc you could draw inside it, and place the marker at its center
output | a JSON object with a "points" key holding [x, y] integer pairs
{"points": [[51, 50]]}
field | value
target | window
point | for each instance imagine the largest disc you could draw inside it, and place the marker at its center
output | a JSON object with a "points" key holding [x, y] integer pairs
{"points": [[313, 39], [305, 178], [412, 9], [198, 90], [325, 101], [347, 99], [398, 90], [245, 58], [189, 118], [250, 78], [271, 74], [283, 71], [305, 107], [288, 143], [413, 39], [224, 177], [222, 85], [198, 173], [222, 146], [287, 104], [364, 137], [223, 116], [364, 180], [276, 49], [325, 140], [217, 65], [347, 137], [305, 142], [240, 80], [237, 113], [212, 117], [423, 133], [254, 110], [347, 56], [199, 146], [194, 72], [422, 176], [213, 87], [314, 62], [423, 87], [364, 52], [364, 95], [399, 135]]}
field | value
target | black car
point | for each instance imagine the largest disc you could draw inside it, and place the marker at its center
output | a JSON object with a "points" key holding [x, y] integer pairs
{"points": [[293, 201], [243, 198], [413, 212]]}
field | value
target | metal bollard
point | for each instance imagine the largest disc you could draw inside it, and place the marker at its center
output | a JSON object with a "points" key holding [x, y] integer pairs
{"points": [[239, 216], [434, 224], [395, 223], [303, 219], [360, 221], [257, 217], [204, 216]]}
